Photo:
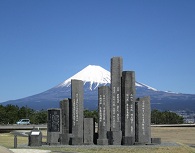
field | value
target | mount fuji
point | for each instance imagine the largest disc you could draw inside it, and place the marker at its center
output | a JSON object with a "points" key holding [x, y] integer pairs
{"points": [[94, 76]]}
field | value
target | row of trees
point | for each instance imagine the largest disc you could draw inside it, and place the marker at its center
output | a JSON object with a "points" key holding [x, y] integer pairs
{"points": [[10, 114], [157, 117], [166, 117]]}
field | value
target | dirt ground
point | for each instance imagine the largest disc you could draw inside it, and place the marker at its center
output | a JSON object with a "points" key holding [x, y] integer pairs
{"points": [[185, 135]]}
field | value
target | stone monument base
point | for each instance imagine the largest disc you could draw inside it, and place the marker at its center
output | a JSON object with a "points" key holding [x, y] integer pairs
{"points": [[128, 140], [102, 141], [156, 140], [110, 137], [117, 137], [64, 139], [87, 143], [76, 141], [53, 138], [139, 143]]}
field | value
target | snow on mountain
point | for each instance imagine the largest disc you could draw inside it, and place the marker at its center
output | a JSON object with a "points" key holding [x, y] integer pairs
{"points": [[96, 75], [93, 74], [144, 85], [172, 92]]}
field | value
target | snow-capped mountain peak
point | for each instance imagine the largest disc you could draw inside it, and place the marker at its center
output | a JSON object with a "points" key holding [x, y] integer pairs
{"points": [[95, 75], [91, 73]]}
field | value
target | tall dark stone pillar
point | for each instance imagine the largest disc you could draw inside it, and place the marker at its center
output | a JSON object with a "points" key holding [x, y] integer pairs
{"points": [[143, 121], [77, 112], [116, 74], [128, 107], [54, 126], [104, 115], [65, 106]]}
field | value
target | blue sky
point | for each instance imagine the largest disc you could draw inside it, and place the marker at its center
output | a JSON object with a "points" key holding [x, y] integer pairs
{"points": [[44, 42]]}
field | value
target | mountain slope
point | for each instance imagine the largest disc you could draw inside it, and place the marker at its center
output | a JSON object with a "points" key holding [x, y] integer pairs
{"points": [[95, 76]]}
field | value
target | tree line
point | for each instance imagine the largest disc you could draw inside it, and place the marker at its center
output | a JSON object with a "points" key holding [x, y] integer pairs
{"points": [[157, 117], [10, 114], [166, 117]]}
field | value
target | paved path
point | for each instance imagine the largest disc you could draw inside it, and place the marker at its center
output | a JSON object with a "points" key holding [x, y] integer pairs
{"points": [[29, 151], [12, 127], [5, 150]]}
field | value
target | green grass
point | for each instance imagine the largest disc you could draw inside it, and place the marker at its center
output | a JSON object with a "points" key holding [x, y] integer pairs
{"points": [[7, 140]]}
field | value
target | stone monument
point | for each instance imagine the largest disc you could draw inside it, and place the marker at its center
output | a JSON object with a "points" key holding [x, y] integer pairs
{"points": [[128, 107], [104, 115], [116, 74], [54, 126], [77, 112], [122, 118], [66, 106], [89, 131], [143, 121], [35, 138]]}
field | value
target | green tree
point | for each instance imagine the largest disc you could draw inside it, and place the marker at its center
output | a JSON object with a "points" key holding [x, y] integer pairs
{"points": [[11, 113], [3, 116], [165, 117], [25, 112], [40, 117], [91, 114]]}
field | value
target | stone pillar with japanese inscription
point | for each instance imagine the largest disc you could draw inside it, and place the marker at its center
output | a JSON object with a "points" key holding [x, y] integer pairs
{"points": [[143, 121], [77, 112], [54, 126], [128, 107], [104, 115], [116, 74], [65, 106]]}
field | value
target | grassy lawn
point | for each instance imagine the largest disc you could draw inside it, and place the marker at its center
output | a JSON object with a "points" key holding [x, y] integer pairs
{"points": [[182, 135], [7, 140]]}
